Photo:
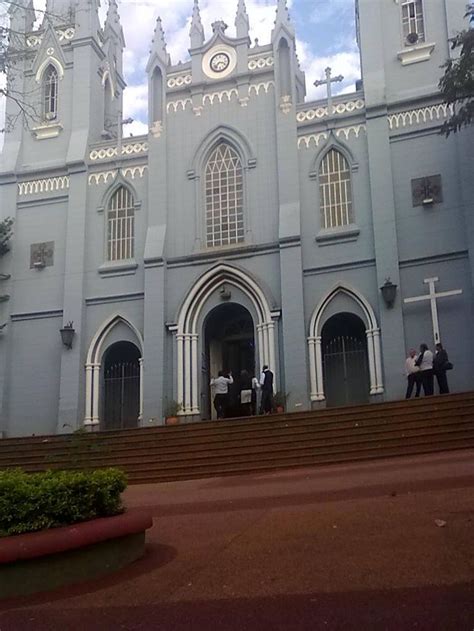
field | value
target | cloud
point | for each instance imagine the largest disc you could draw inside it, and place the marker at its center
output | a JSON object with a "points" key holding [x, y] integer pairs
{"points": [[138, 18]]}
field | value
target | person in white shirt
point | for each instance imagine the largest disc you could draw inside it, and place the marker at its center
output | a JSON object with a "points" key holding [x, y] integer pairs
{"points": [[425, 364], [221, 392], [412, 372]]}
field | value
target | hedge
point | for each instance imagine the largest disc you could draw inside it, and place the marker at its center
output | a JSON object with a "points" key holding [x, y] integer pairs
{"points": [[31, 502]]}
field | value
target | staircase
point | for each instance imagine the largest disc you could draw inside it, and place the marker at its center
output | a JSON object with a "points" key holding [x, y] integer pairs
{"points": [[215, 448]]}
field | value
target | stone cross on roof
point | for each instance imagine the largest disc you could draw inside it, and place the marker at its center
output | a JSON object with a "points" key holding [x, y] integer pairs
{"points": [[327, 81]]}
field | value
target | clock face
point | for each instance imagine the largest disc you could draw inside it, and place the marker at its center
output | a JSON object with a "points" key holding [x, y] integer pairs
{"points": [[220, 62]]}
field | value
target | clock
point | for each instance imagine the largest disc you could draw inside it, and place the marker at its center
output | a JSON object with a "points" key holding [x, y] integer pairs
{"points": [[220, 62]]}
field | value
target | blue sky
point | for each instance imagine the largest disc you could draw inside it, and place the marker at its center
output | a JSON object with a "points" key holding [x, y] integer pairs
{"points": [[325, 32]]}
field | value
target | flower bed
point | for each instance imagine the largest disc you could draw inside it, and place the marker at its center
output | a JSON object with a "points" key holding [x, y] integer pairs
{"points": [[32, 502], [74, 529]]}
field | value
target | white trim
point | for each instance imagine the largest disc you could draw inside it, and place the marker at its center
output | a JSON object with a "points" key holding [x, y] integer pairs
{"points": [[187, 336], [49, 60], [94, 363], [373, 342]]}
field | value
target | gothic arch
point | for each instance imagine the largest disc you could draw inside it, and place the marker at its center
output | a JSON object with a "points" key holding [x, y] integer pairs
{"points": [[94, 362], [187, 333], [116, 183], [333, 142], [372, 333], [47, 62], [222, 133]]}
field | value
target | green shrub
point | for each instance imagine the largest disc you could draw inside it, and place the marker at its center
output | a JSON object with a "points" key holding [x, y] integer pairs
{"points": [[31, 502]]}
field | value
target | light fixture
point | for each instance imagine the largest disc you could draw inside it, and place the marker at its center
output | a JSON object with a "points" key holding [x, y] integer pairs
{"points": [[389, 292], [67, 334]]}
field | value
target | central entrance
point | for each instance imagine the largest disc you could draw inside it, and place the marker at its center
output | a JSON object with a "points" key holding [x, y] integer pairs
{"points": [[229, 343]]}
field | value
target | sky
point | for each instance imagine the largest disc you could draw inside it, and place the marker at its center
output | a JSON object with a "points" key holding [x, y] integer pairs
{"points": [[325, 32]]}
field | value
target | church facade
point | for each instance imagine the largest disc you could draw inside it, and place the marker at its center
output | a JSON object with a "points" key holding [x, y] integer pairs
{"points": [[248, 227]]}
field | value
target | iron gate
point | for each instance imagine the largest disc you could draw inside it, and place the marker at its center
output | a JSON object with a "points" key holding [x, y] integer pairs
{"points": [[122, 395], [346, 373]]}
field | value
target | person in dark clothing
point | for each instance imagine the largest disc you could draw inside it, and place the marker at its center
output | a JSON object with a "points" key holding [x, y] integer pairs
{"points": [[266, 383], [425, 364], [440, 365]]}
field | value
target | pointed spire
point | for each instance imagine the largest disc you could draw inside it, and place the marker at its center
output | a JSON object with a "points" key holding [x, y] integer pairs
{"points": [[283, 18], [197, 30], [158, 43], [112, 26], [242, 20]]}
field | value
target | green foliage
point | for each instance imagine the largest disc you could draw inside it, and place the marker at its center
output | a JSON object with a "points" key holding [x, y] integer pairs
{"points": [[457, 83], [280, 398], [5, 234], [172, 408], [31, 502]]}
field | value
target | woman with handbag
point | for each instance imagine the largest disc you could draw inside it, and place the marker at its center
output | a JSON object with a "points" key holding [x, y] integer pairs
{"points": [[441, 364]]}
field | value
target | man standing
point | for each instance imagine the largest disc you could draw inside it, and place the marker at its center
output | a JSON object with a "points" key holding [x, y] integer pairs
{"points": [[412, 372], [440, 366], [221, 392], [425, 364], [266, 383]]}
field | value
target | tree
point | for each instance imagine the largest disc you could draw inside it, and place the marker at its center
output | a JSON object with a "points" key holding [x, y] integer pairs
{"points": [[5, 235], [457, 83], [13, 53]]}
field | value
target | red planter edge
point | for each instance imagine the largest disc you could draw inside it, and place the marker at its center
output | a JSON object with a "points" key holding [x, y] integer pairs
{"points": [[37, 544]]}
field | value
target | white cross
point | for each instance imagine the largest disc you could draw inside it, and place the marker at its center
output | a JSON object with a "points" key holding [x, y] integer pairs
{"points": [[432, 297], [327, 82]]}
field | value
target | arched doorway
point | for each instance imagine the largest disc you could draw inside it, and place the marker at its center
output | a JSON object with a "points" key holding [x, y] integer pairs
{"points": [[121, 386], [229, 341], [345, 360]]}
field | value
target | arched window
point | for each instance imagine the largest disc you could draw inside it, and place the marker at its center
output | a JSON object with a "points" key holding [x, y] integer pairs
{"points": [[335, 192], [50, 93], [120, 226], [413, 22], [224, 197]]}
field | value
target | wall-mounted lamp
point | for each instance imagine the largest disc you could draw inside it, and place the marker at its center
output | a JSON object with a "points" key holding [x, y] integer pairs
{"points": [[67, 334], [389, 292]]}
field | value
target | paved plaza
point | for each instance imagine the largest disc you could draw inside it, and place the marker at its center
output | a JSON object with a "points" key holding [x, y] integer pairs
{"points": [[384, 545]]}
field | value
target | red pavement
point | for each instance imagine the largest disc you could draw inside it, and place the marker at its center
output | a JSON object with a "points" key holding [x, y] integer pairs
{"points": [[350, 547]]}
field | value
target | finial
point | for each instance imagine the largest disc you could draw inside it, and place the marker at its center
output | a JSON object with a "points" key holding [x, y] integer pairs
{"points": [[282, 19], [197, 31], [219, 26], [242, 20], [158, 43]]}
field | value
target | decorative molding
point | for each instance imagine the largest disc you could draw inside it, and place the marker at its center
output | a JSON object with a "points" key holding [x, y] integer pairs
{"points": [[41, 255], [47, 130], [128, 149], [261, 62], [156, 129], [37, 315], [415, 54], [220, 96], [131, 172], [178, 81], [180, 104], [63, 35], [347, 132], [47, 185], [257, 87], [347, 107], [286, 104], [420, 115]]}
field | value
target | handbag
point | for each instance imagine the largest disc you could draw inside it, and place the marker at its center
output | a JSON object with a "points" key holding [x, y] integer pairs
{"points": [[448, 366], [245, 396]]}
